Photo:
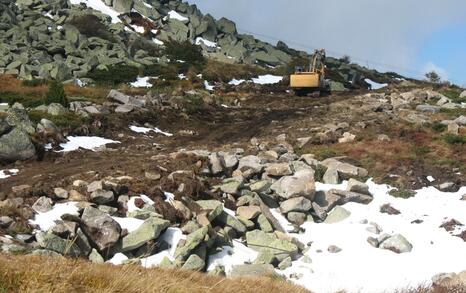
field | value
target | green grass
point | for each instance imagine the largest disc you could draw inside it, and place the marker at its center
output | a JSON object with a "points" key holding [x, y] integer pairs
{"points": [[402, 193], [27, 100], [438, 127], [454, 139], [68, 120], [115, 75], [454, 95], [319, 172]]}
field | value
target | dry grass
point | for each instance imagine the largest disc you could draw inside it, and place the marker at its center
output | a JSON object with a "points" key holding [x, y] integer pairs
{"points": [[40, 274]]}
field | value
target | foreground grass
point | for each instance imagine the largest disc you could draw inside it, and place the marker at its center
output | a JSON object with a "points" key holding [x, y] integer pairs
{"points": [[42, 274]]}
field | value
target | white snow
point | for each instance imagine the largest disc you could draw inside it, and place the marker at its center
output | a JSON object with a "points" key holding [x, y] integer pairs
{"points": [[182, 76], [208, 86], [142, 82], [359, 267], [146, 130], [138, 29], [85, 142], [170, 196], [147, 5], [46, 220], [130, 224], [157, 41], [208, 43], [100, 6], [375, 85], [118, 259], [175, 15], [287, 226], [236, 81], [132, 207], [172, 236], [430, 178], [267, 79], [230, 256], [12, 172], [80, 83]]}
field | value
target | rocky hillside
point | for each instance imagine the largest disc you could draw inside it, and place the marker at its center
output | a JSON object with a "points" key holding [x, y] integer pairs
{"points": [[67, 40]]}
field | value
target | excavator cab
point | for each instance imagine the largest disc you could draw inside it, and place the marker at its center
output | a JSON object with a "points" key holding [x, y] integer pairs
{"points": [[312, 79]]}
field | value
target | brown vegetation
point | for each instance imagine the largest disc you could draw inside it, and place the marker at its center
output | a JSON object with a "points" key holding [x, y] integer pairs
{"points": [[42, 274]]}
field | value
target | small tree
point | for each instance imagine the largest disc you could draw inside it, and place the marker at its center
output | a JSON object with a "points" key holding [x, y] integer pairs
{"points": [[433, 77], [56, 94]]}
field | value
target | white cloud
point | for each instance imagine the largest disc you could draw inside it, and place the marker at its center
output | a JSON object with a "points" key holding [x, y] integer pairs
{"points": [[439, 70]]}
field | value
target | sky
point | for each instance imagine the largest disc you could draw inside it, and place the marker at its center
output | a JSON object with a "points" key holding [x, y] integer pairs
{"points": [[410, 37]]}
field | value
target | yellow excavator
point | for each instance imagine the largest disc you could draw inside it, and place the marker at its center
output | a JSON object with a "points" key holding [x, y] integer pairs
{"points": [[310, 80]]}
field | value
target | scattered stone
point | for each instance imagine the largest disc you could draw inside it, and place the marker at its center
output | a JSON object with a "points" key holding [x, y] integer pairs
{"points": [[331, 176], [42, 205], [194, 263], [396, 243], [278, 169], [232, 185], [192, 241], [333, 249], [347, 137], [248, 212], [259, 240], [149, 230], [264, 224], [388, 209], [284, 264], [356, 186], [428, 109], [297, 204], [337, 214], [102, 196], [54, 243], [95, 257], [152, 175], [252, 270], [373, 241], [296, 218]]}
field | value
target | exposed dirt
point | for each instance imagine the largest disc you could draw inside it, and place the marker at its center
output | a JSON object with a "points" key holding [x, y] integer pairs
{"points": [[215, 127]]}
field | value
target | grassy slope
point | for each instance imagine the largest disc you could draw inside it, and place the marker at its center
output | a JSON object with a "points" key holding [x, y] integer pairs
{"points": [[41, 274]]}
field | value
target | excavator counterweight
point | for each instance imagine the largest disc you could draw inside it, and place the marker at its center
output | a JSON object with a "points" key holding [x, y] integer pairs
{"points": [[311, 79]]}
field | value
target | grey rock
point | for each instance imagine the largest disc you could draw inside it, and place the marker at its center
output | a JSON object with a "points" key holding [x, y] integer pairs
{"points": [[232, 185], [358, 187], [192, 241], [300, 184], [252, 270], [16, 145], [259, 240], [124, 109], [194, 263], [54, 243], [428, 109], [18, 118], [461, 120], [284, 264], [297, 204], [397, 243], [95, 257], [230, 221], [250, 165], [337, 214], [103, 231], [296, 218], [102, 196], [278, 169], [264, 224], [248, 212], [213, 207], [331, 176], [149, 230], [333, 249], [43, 204], [345, 170], [60, 193], [56, 109]]}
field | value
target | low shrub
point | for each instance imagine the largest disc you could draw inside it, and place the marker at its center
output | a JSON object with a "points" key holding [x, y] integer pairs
{"points": [[319, 172], [114, 75], [185, 51], [26, 100], [91, 26], [454, 139], [34, 82], [193, 104], [402, 193], [56, 94], [68, 120], [438, 127]]}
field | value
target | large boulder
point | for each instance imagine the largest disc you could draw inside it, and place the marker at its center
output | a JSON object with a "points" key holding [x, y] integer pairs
{"points": [[149, 230], [345, 170], [297, 204], [259, 240], [18, 117], [300, 184], [227, 26], [16, 145], [192, 241], [54, 243], [100, 228], [123, 6]]}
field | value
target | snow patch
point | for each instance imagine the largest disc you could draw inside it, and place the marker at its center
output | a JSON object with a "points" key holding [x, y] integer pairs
{"points": [[231, 256], [157, 41], [359, 267], [208, 43], [11, 172], [175, 15], [130, 224], [118, 259], [138, 29], [375, 85], [267, 79], [208, 86], [99, 6], [146, 130], [46, 220], [236, 81], [172, 236], [86, 142], [142, 82]]}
